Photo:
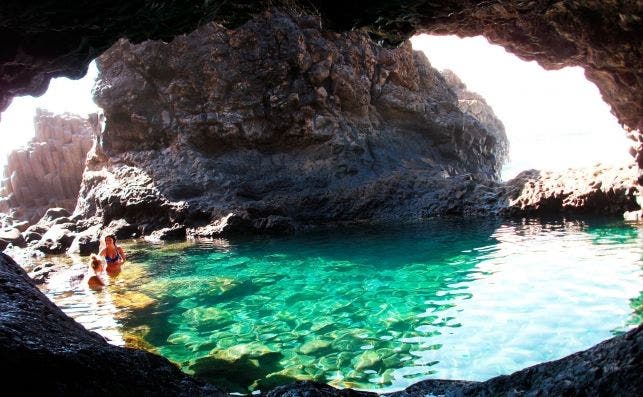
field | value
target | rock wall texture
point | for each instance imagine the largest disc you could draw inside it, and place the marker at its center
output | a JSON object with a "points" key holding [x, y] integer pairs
{"points": [[278, 125], [473, 103], [47, 172], [37, 337], [601, 36], [591, 190]]}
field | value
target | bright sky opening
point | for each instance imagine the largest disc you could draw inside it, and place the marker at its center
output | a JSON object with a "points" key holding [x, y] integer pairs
{"points": [[62, 96], [553, 119]]}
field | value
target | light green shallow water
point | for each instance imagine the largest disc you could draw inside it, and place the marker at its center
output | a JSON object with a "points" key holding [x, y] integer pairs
{"points": [[377, 308]]}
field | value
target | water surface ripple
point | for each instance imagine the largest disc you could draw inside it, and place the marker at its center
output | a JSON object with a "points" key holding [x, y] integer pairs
{"points": [[373, 308]]}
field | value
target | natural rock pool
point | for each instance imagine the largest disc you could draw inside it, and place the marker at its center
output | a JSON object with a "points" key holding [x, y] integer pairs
{"points": [[371, 308]]}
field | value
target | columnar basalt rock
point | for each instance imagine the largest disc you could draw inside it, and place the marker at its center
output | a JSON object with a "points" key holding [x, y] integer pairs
{"points": [[47, 172], [283, 125]]}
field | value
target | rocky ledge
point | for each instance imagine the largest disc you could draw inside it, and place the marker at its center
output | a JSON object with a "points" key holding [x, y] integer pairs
{"points": [[37, 337], [597, 190]]}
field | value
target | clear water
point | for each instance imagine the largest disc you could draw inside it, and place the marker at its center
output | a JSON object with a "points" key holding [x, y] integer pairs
{"points": [[372, 308]]}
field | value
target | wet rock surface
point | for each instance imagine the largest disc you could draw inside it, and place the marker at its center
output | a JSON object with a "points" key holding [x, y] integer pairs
{"points": [[277, 126], [47, 172]]}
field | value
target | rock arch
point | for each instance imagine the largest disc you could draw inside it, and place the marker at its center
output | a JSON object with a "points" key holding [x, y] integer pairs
{"points": [[46, 39]]}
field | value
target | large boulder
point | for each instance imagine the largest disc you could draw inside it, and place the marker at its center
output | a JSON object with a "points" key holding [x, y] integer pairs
{"points": [[283, 125]]}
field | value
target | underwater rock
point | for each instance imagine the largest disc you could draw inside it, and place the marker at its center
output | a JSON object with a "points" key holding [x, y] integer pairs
{"points": [[132, 300], [238, 366]]}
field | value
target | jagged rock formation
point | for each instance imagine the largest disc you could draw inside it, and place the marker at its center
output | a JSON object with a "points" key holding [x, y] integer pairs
{"points": [[590, 190], [37, 337], [473, 103], [282, 125], [601, 36], [47, 173]]}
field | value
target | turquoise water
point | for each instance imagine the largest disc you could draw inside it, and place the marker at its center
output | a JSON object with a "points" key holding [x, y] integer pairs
{"points": [[373, 308]]}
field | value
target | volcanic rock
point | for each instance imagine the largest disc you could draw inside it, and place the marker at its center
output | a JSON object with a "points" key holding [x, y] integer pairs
{"points": [[283, 125], [47, 173], [589, 190]]}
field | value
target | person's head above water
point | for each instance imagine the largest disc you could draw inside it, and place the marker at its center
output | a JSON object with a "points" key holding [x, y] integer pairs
{"points": [[110, 239], [96, 263]]}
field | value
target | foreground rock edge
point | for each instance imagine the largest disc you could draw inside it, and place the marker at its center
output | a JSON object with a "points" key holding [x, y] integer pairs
{"points": [[37, 337]]}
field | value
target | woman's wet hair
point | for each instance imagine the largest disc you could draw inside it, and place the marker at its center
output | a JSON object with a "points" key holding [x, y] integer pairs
{"points": [[113, 237], [95, 261]]}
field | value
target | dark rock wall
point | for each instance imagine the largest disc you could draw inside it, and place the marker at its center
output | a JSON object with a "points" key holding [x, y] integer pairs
{"points": [[601, 36], [283, 124], [47, 172]]}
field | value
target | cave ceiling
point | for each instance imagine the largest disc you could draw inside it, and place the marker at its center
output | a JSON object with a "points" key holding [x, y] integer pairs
{"points": [[48, 39]]}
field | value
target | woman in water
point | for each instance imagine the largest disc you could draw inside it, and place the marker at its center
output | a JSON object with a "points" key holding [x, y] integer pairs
{"points": [[113, 254], [96, 282]]}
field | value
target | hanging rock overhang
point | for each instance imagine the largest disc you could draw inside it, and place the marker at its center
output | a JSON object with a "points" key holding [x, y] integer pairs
{"points": [[47, 39]]}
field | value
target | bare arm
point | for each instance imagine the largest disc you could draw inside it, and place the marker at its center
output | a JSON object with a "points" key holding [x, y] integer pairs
{"points": [[122, 255]]}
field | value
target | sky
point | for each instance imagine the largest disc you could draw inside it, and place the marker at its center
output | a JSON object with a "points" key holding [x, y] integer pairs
{"points": [[553, 119]]}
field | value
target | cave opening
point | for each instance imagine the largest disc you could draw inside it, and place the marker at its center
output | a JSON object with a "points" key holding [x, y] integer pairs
{"points": [[373, 371], [554, 119], [63, 95]]}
